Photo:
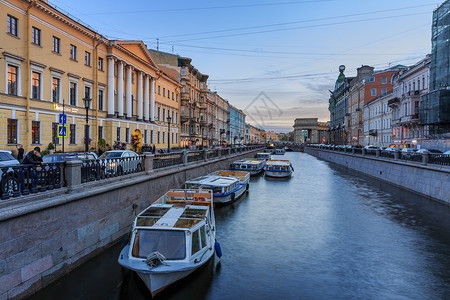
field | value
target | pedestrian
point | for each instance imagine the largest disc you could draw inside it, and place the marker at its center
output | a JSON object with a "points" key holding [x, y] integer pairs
{"points": [[20, 152], [154, 149], [32, 158]]}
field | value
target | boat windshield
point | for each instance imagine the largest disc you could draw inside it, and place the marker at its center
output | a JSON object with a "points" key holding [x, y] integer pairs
{"points": [[170, 243]]}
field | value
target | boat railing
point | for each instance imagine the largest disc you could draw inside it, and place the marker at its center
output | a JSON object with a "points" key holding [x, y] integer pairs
{"points": [[203, 197]]}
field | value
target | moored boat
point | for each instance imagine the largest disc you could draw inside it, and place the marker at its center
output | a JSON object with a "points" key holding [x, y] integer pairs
{"points": [[279, 151], [172, 238], [243, 176], [253, 166], [263, 156], [278, 168], [225, 189]]}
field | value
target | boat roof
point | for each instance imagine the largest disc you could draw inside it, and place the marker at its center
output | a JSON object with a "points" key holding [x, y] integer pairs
{"points": [[278, 162], [180, 209], [248, 161], [213, 180], [231, 173], [263, 153]]}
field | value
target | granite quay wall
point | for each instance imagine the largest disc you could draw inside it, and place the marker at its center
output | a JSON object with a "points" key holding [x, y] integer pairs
{"points": [[46, 235], [431, 181]]}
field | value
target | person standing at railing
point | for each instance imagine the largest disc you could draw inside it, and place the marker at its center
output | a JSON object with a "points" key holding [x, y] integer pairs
{"points": [[20, 152], [32, 158]]}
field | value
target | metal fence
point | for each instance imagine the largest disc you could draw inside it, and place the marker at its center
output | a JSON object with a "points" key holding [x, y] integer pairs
{"points": [[167, 160], [30, 179], [433, 158], [110, 167], [194, 156]]}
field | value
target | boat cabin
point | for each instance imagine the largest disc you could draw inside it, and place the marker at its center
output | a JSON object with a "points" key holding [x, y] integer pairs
{"points": [[218, 184]]}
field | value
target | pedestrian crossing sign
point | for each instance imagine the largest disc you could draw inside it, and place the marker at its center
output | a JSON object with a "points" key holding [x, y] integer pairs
{"points": [[62, 131]]}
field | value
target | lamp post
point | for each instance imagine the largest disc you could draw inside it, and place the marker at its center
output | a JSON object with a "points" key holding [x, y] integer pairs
{"points": [[168, 138], [87, 102]]}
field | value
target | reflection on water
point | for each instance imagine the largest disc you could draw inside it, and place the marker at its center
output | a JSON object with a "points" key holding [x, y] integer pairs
{"points": [[324, 233]]}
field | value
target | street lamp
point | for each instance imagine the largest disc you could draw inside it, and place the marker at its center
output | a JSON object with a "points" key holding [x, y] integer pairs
{"points": [[87, 103], [168, 138]]}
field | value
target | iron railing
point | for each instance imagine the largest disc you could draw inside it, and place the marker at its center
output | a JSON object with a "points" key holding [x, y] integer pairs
{"points": [[110, 167], [30, 179], [194, 156], [167, 160], [439, 159]]}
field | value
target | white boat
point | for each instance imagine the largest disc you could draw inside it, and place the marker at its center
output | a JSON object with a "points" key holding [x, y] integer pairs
{"points": [[278, 168], [172, 238], [243, 176], [263, 156], [225, 189], [279, 151], [253, 166]]}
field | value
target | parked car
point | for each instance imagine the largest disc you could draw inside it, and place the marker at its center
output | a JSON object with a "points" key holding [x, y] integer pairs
{"points": [[432, 151], [114, 165], [447, 152], [11, 182], [60, 157], [408, 153], [391, 149], [370, 149]]}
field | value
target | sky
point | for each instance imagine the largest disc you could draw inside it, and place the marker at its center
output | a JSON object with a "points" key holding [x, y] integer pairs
{"points": [[274, 59]]}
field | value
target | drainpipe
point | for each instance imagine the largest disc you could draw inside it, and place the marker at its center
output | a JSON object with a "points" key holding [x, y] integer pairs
{"points": [[95, 67], [27, 80]]}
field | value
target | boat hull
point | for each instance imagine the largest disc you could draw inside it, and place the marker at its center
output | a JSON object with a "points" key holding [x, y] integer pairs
{"points": [[278, 174], [230, 198]]}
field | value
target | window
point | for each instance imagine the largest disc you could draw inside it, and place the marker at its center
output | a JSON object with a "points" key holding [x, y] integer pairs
{"points": [[151, 136], [87, 58], [164, 92], [73, 134], [36, 36], [383, 91], [159, 90], [35, 132], [164, 137], [100, 99], [127, 135], [100, 64], [12, 80], [373, 92], [73, 52], [87, 93], [164, 115], [176, 118], [132, 77], [145, 136], [35, 85], [173, 96], [12, 131], [384, 80], [13, 26], [56, 45], [176, 137], [100, 132], [172, 138], [195, 242], [118, 134], [176, 97], [159, 113], [371, 79], [55, 138], [168, 94], [173, 120], [73, 94], [55, 89], [159, 137]]}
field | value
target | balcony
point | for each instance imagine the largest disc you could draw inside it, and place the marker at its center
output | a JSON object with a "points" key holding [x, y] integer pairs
{"points": [[373, 132], [394, 101]]}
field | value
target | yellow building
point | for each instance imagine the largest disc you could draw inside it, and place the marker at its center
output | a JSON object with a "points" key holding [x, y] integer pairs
{"points": [[49, 63]]}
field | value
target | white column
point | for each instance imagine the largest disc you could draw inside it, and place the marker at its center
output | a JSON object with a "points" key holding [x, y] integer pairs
{"points": [[152, 100], [111, 102], [128, 93], [140, 111], [120, 88], [146, 99]]}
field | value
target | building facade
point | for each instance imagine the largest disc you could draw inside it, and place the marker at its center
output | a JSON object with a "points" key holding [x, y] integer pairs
{"points": [[409, 86], [270, 136], [51, 63], [222, 119], [377, 122], [193, 103], [310, 130], [236, 125], [255, 135]]}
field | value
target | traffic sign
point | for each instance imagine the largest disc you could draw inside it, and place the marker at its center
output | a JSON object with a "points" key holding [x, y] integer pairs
{"points": [[62, 119], [62, 131]]}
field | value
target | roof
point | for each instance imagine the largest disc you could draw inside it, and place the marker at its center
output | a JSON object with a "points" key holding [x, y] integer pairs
{"points": [[213, 180], [278, 162]]}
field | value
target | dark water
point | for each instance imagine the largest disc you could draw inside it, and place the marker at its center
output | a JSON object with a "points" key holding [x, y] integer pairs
{"points": [[323, 234]]}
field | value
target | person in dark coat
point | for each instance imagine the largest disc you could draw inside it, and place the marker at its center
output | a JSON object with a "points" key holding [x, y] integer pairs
{"points": [[33, 157], [20, 152]]}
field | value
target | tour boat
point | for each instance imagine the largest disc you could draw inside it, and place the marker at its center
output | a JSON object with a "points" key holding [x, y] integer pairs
{"points": [[225, 189], [278, 168], [243, 176], [279, 151], [253, 166], [263, 155], [172, 238]]}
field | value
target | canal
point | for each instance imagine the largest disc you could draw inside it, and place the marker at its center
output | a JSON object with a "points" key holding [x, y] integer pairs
{"points": [[325, 233]]}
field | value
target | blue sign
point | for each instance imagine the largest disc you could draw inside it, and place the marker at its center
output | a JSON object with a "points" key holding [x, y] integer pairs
{"points": [[61, 120], [62, 131]]}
